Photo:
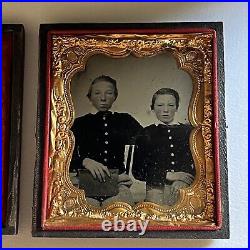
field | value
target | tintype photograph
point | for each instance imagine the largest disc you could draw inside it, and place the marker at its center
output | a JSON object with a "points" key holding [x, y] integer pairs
{"points": [[128, 129], [12, 85], [131, 130]]}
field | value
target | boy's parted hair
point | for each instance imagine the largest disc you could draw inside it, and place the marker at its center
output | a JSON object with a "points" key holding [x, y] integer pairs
{"points": [[166, 91], [106, 79]]}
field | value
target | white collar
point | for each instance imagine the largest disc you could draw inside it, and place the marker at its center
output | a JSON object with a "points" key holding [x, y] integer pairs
{"points": [[174, 122], [94, 111]]}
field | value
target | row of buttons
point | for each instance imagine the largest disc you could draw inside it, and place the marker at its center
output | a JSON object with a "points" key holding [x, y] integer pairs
{"points": [[106, 142], [171, 146], [171, 170]]}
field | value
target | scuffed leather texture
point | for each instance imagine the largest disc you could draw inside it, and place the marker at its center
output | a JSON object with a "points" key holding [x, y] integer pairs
{"points": [[6, 96], [13, 121]]}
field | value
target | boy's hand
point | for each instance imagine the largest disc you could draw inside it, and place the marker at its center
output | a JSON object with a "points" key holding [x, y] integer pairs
{"points": [[124, 179], [180, 176], [97, 169], [176, 186]]}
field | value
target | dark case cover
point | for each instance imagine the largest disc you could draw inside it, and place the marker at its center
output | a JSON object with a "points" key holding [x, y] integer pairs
{"points": [[12, 92]]}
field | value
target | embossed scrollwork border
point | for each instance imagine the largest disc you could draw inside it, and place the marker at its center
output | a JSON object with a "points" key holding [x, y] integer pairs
{"points": [[66, 205]]}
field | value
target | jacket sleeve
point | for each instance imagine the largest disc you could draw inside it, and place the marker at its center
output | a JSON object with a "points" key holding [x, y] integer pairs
{"points": [[188, 166], [76, 161], [134, 128], [139, 168], [188, 162]]}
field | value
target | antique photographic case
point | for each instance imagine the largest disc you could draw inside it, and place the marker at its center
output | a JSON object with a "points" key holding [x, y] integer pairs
{"points": [[147, 99]]}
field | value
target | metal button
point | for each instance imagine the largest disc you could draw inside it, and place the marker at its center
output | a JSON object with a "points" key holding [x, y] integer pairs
{"points": [[104, 118], [172, 154], [105, 124], [172, 162], [106, 142], [105, 152], [169, 130], [170, 137], [106, 133], [105, 160], [172, 170], [171, 145]]}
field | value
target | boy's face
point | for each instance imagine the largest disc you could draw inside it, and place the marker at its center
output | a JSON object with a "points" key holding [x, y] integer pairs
{"points": [[102, 95], [165, 108]]}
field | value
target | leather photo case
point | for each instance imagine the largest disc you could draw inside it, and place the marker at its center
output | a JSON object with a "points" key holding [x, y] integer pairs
{"points": [[151, 66], [12, 86]]}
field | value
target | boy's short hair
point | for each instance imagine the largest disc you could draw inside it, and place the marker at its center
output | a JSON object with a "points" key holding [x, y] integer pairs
{"points": [[106, 79], [166, 91]]}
